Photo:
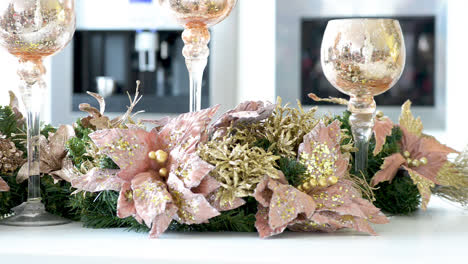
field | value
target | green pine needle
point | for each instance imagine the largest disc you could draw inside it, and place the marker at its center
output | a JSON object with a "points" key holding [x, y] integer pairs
{"points": [[292, 170]]}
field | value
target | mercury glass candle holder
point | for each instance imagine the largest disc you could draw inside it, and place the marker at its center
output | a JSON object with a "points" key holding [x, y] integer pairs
{"points": [[197, 16], [32, 30], [363, 58]]}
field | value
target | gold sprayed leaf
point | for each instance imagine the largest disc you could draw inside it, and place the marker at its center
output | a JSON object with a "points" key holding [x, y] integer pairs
{"points": [[334, 100], [453, 180], [286, 127], [424, 186], [409, 122], [238, 167]]}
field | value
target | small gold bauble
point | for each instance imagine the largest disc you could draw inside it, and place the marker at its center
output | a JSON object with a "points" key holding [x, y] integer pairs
{"points": [[322, 182], [415, 163], [423, 160], [409, 161], [306, 186], [406, 154], [313, 182], [161, 156], [163, 172], [333, 180], [152, 155], [379, 114]]}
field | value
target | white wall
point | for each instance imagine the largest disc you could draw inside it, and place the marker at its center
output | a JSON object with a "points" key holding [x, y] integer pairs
{"points": [[257, 49], [457, 84]]}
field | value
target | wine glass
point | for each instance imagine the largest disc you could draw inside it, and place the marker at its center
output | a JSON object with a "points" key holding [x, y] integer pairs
{"points": [[197, 16], [363, 58], [32, 30]]}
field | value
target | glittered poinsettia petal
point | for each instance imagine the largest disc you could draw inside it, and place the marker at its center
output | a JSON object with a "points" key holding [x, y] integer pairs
{"points": [[207, 186], [287, 203], [161, 222], [382, 128], [150, 196], [262, 194], [388, 169], [188, 166], [192, 208], [215, 200], [186, 127], [280, 205], [128, 148], [341, 206], [125, 204], [3, 186], [96, 180], [262, 224], [246, 112], [330, 135]]}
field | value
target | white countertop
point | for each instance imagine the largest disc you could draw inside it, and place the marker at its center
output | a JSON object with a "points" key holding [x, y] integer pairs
{"points": [[439, 235]]}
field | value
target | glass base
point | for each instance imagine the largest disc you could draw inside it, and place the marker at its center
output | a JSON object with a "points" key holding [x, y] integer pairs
{"points": [[33, 213]]}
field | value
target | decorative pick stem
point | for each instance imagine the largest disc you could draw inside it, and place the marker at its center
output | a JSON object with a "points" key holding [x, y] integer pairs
{"points": [[196, 38], [362, 122], [32, 88]]}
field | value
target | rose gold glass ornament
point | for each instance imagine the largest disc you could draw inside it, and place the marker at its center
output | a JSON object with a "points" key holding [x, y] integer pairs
{"points": [[32, 30], [197, 16], [363, 58]]}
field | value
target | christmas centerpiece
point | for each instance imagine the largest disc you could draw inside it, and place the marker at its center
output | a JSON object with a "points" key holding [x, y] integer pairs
{"points": [[260, 166]]}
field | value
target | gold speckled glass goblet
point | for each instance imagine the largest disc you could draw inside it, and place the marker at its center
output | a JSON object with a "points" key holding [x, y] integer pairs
{"points": [[363, 58], [32, 30], [197, 16]]}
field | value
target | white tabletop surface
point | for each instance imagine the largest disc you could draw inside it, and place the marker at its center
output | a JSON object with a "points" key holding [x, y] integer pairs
{"points": [[439, 235]]}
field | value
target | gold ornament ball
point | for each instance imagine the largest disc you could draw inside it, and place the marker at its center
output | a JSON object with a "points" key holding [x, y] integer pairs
{"points": [[406, 154], [161, 156], [415, 163], [152, 155], [313, 182], [423, 160], [163, 172], [333, 180], [323, 182]]}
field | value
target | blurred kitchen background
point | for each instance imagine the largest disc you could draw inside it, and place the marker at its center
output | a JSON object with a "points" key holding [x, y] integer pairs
{"points": [[265, 49]]}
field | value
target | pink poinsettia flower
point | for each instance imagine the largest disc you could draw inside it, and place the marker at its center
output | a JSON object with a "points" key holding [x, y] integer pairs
{"points": [[161, 176], [421, 155], [325, 201]]}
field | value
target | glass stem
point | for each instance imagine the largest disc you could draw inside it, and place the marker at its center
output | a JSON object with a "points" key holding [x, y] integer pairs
{"points": [[362, 122], [196, 38], [32, 88]]}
